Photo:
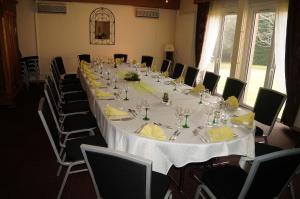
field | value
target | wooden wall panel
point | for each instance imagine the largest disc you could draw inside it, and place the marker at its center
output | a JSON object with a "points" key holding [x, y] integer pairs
{"points": [[172, 4]]}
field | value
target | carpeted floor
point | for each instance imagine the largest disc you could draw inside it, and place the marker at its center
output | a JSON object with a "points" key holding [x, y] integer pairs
{"points": [[29, 165]]}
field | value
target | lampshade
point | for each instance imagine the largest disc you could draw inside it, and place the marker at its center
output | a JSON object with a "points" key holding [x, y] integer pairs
{"points": [[169, 48]]}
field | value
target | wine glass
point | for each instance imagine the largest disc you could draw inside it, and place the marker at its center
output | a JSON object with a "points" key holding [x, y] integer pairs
{"points": [[187, 112], [115, 79], [126, 92], [209, 112], [201, 94], [138, 109], [146, 106], [179, 116]]}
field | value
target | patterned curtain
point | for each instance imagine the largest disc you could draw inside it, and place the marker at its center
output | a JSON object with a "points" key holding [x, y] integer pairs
{"points": [[292, 64], [202, 13]]}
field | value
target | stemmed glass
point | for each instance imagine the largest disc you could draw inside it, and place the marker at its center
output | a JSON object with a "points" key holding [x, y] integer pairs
{"points": [[187, 112], [115, 79], [146, 106], [126, 93], [209, 108], [138, 109], [201, 97], [175, 86], [179, 114], [158, 77]]}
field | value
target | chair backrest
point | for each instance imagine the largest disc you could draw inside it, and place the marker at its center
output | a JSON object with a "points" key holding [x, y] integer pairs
{"points": [[210, 81], [165, 65], [270, 174], [84, 57], [49, 126], [177, 72], [51, 92], [147, 60], [190, 76], [117, 174], [121, 56], [267, 106], [233, 87], [24, 71], [32, 63], [60, 65], [52, 105]]}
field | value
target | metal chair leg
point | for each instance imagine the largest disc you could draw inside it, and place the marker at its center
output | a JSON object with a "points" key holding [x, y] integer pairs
{"points": [[64, 182]]}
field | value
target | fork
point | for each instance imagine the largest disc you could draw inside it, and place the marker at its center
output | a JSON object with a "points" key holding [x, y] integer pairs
{"points": [[175, 135], [160, 124]]}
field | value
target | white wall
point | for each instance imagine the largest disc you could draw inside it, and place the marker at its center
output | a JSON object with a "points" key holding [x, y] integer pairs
{"points": [[67, 35], [185, 33], [26, 28]]}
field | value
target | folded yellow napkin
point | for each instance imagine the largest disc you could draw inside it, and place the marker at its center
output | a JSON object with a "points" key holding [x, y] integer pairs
{"points": [[179, 80], [143, 65], [118, 60], [232, 101], [244, 119], [112, 112], [153, 131], [165, 74], [154, 68], [103, 95], [133, 62], [95, 83], [199, 88], [219, 134]]}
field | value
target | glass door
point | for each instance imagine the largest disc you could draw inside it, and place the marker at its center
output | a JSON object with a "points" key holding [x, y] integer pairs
{"points": [[223, 62], [261, 69]]}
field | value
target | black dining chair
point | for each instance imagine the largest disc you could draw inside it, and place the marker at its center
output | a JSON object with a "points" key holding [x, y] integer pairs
{"points": [[233, 87], [147, 60], [121, 56], [191, 75], [84, 57], [118, 174], [269, 175], [178, 70], [165, 65], [33, 69], [266, 108], [67, 154], [210, 81], [60, 68]]}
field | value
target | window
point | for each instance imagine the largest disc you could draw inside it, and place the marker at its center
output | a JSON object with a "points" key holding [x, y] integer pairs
{"points": [[256, 55]]}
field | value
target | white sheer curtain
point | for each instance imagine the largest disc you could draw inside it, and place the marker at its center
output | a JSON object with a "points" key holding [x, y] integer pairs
{"points": [[279, 45], [210, 39]]}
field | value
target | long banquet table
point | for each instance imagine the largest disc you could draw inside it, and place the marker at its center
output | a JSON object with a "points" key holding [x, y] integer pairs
{"points": [[187, 148]]}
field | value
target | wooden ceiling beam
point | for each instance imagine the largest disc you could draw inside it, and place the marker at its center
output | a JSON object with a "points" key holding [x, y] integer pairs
{"points": [[171, 4]]}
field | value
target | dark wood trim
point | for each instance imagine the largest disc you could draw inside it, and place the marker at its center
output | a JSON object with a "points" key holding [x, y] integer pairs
{"points": [[201, 1], [172, 4]]}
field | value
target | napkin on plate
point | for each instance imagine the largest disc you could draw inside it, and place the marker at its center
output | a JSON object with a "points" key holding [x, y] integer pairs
{"points": [[179, 80], [152, 131], [199, 88], [95, 83], [165, 74], [103, 95], [233, 102], [143, 65], [154, 68], [223, 133], [244, 119], [112, 112]]}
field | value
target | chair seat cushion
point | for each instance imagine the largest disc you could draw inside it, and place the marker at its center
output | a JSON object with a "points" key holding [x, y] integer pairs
{"points": [[71, 88], [80, 106], [79, 121], [159, 185], [258, 131], [225, 182], [262, 149], [77, 96], [73, 146]]}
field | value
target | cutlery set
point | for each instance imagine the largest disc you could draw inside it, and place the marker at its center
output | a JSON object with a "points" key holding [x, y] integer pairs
{"points": [[175, 135]]}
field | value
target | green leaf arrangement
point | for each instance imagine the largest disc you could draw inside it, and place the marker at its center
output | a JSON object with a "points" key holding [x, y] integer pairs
{"points": [[131, 76]]}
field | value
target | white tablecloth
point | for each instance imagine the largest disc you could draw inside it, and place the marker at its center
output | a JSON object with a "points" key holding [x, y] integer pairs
{"points": [[187, 148]]}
